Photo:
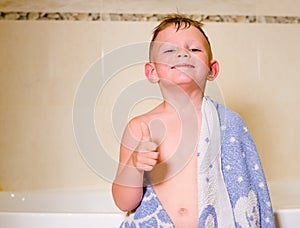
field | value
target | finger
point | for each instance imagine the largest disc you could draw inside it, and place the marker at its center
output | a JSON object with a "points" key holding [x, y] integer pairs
{"points": [[147, 168], [152, 155], [146, 165], [147, 146], [146, 162], [145, 157], [146, 135], [149, 158], [150, 162]]}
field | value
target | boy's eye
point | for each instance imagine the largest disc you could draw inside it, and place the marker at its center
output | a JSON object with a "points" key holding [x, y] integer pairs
{"points": [[169, 51], [194, 50]]}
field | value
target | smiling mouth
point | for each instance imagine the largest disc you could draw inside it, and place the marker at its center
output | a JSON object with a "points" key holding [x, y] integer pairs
{"points": [[182, 66]]}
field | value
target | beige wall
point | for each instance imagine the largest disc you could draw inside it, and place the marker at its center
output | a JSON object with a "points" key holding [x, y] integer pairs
{"points": [[43, 63]]}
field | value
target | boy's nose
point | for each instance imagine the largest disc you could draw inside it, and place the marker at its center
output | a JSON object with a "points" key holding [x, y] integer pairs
{"points": [[182, 53]]}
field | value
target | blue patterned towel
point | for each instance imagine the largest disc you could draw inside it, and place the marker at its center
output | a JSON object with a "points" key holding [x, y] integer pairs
{"points": [[245, 202]]}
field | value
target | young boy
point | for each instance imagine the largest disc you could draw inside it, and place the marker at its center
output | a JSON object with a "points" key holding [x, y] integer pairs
{"points": [[189, 162]]}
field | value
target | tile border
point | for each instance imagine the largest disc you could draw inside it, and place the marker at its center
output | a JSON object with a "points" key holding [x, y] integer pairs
{"points": [[58, 16]]}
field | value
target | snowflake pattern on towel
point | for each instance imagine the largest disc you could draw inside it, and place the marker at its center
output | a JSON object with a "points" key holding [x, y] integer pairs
{"points": [[243, 176], [150, 213], [243, 173]]}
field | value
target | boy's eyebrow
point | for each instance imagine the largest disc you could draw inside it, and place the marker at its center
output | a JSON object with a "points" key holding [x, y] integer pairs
{"points": [[166, 44], [162, 44]]}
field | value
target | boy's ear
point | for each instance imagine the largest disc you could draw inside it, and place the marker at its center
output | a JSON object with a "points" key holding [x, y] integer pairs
{"points": [[150, 73], [214, 70]]}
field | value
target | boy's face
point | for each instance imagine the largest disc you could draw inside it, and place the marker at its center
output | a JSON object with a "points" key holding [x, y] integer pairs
{"points": [[181, 56]]}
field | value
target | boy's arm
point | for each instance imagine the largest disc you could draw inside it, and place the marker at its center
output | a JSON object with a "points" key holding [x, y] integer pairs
{"points": [[127, 188], [136, 157]]}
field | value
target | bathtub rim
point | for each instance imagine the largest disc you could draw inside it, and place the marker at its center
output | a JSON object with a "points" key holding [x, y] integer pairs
{"points": [[77, 201]]}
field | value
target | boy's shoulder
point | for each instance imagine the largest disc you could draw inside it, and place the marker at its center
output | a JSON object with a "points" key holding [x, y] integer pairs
{"points": [[147, 116]]}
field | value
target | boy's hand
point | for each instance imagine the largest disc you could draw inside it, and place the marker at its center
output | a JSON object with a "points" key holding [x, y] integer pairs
{"points": [[145, 155]]}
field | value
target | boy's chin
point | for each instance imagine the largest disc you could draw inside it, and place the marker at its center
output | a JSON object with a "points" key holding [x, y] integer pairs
{"points": [[183, 77], [183, 81]]}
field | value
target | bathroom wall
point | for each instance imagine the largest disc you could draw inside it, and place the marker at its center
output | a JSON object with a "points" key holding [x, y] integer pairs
{"points": [[48, 47]]}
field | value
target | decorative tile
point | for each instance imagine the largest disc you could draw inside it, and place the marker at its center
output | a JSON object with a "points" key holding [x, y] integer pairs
{"points": [[144, 17]]}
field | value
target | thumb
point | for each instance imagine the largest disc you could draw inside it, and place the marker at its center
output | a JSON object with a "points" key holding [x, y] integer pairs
{"points": [[146, 135]]}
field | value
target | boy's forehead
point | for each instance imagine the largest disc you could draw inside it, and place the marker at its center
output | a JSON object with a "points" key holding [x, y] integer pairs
{"points": [[170, 29], [168, 32]]}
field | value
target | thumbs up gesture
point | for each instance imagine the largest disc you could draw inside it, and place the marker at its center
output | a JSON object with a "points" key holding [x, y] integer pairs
{"points": [[145, 155]]}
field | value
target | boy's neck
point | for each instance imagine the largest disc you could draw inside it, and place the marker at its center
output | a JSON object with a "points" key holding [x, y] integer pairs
{"points": [[181, 100]]}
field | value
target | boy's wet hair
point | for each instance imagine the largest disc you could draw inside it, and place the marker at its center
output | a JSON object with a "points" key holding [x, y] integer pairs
{"points": [[180, 21]]}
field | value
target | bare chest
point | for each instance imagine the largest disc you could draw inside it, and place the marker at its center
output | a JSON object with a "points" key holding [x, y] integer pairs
{"points": [[174, 178], [178, 195], [175, 138]]}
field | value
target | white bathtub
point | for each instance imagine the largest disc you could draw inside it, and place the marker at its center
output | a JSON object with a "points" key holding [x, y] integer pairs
{"points": [[288, 218], [59, 209], [285, 198], [89, 209]]}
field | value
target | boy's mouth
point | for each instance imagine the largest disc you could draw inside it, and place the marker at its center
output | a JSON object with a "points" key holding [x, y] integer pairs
{"points": [[184, 65]]}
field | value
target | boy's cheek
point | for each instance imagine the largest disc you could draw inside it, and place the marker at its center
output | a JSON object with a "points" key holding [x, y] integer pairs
{"points": [[162, 65], [165, 61], [162, 69]]}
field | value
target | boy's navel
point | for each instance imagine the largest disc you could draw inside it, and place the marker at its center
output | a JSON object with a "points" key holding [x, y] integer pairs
{"points": [[182, 211]]}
